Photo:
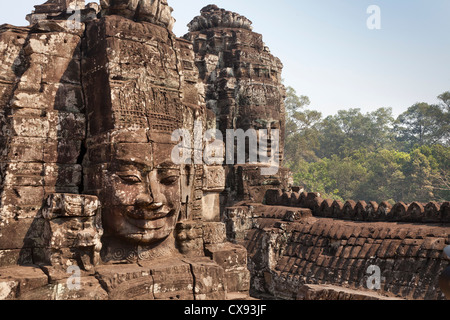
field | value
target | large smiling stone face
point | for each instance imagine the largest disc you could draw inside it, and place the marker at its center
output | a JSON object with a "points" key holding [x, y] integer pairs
{"points": [[140, 191]]}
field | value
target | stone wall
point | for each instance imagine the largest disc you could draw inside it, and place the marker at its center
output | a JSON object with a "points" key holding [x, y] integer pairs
{"points": [[432, 212], [303, 253], [42, 125], [87, 110]]}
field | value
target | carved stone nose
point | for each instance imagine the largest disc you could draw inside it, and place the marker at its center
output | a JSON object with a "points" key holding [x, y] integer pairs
{"points": [[148, 202], [155, 205], [144, 200]]}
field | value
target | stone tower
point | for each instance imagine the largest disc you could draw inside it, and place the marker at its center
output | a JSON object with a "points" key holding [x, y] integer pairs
{"points": [[87, 112], [244, 90]]}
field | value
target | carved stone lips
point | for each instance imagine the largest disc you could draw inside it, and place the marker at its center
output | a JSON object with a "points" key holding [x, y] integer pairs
{"points": [[148, 224], [148, 214], [149, 219]]}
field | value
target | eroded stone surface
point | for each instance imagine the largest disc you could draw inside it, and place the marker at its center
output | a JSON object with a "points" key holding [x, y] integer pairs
{"points": [[244, 90], [285, 255], [89, 99], [154, 11], [214, 17]]}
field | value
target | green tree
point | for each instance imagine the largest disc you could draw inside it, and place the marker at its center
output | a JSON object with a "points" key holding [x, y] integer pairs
{"points": [[422, 124], [445, 100], [439, 158], [331, 138], [370, 156], [385, 176], [301, 132], [419, 176], [334, 178], [349, 174], [350, 130], [445, 105], [314, 176]]}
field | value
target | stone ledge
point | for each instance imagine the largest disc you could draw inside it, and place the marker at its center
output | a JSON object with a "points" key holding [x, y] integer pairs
{"points": [[18, 281], [330, 292]]}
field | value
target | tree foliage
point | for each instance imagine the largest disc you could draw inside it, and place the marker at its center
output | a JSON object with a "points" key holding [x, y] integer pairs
{"points": [[301, 128], [372, 156]]}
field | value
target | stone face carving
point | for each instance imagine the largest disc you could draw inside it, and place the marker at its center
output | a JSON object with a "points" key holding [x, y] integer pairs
{"points": [[88, 181], [129, 147], [87, 174], [244, 90]]}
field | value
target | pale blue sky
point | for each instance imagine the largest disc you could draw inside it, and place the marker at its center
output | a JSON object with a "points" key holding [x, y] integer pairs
{"points": [[328, 52]]}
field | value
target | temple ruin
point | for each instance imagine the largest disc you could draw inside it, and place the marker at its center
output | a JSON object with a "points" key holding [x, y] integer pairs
{"points": [[90, 96]]}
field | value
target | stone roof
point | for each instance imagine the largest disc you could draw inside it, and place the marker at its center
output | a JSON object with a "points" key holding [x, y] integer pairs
{"points": [[214, 17]]}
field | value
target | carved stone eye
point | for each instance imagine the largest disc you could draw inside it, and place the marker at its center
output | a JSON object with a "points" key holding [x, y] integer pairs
{"points": [[169, 180], [130, 178]]}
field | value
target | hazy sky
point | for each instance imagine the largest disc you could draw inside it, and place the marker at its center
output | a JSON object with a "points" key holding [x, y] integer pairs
{"points": [[329, 53]]}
